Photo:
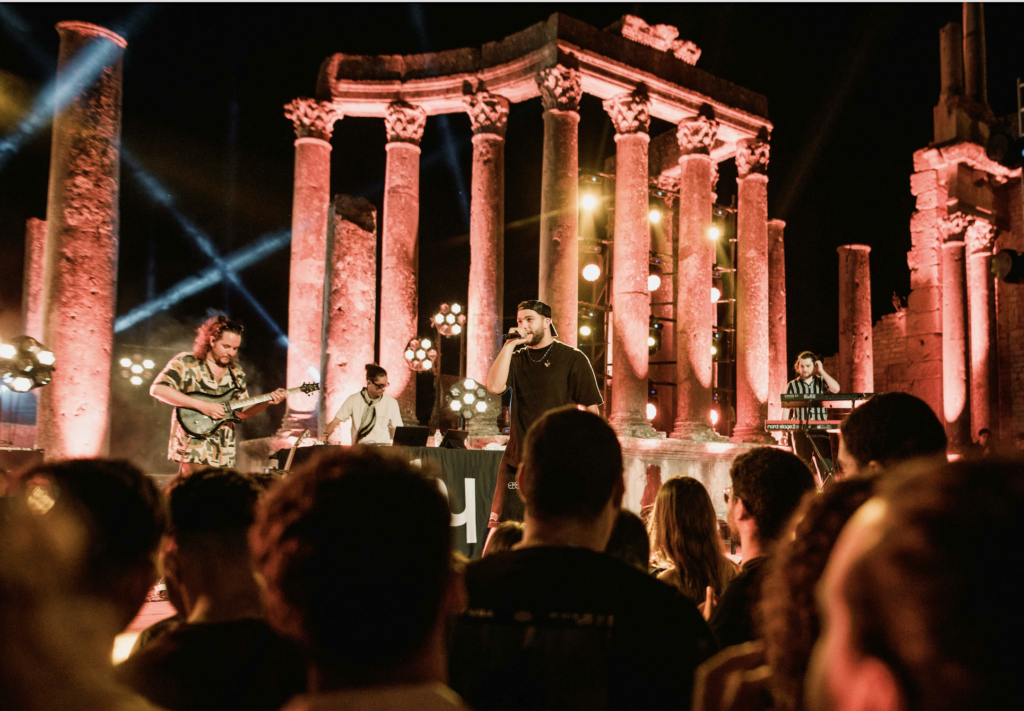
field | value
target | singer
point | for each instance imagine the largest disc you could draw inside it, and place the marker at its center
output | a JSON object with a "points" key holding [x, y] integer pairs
{"points": [[543, 374]]}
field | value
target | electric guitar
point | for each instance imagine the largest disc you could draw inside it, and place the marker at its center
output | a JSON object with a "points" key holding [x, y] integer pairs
{"points": [[291, 454], [201, 426]]}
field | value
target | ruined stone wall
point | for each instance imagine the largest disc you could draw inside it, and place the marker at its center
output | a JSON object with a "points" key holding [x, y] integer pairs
{"points": [[889, 336]]}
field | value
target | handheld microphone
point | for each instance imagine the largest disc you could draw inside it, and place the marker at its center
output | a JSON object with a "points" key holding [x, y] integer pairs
{"points": [[509, 337]]}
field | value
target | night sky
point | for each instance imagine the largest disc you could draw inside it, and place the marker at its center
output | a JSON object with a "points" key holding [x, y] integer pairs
{"points": [[850, 91]]}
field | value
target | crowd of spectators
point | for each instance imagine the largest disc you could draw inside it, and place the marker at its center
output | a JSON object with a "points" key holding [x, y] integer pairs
{"points": [[338, 587]]}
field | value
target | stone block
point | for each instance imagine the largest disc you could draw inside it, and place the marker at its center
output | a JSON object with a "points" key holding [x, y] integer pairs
{"points": [[927, 200], [924, 323], [923, 220], [923, 300], [923, 182], [927, 159], [923, 257], [925, 370], [927, 346], [927, 240], [924, 277]]}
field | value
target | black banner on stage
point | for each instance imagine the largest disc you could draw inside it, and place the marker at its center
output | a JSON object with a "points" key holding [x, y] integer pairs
{"points": [[469, 476]]}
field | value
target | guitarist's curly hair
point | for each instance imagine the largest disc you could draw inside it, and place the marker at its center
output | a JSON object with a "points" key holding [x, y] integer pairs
{"points": [[210, 331]]}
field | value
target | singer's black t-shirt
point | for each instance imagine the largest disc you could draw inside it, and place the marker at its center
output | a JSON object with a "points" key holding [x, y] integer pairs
{"points": [[542, 380]]}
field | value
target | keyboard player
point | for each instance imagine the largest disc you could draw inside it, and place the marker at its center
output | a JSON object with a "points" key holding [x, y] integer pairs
{"points": [[811, 379]]}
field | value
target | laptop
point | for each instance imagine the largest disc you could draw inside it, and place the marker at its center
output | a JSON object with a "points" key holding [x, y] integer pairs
{"points": [[454, 439], [411, 436]]}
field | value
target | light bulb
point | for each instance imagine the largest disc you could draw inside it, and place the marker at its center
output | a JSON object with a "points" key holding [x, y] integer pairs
{"points": [[592, 272], [21, 385], [469, 398], [469, 384], [456, 309], [716, 294], [450, 318], [7, 351], [126, 362], [410, 354], [652, 411], [438, 318], [135, 380], [714, 417], [652, 341], [148, 364], [585, 330], [654, 216], [588, 202], [425, 343], [714, 233], [653, 282], [481, 406], [456, 405], [714, 351], [427, 365], [421, 354], [137, 369], [456, 329]]}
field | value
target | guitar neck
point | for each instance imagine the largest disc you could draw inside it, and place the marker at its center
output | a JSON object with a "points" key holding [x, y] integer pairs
{"points": [[250, 401]]}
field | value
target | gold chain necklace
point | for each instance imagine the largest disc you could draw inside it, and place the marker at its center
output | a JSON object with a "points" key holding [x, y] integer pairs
{"points": [[543, 357]]}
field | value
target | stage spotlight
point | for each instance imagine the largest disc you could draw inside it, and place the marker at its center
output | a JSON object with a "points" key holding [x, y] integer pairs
{"points": [[25, 364], [136, 369], [148, 364], [586, 330], [654, 276], [468, 398], [716, 294], [652, 411], [588, 201], [135, 380], [654, 216], [714, 351], [449, 320], [126, 362], [654, 336], [714, 417], [714, 233], [592, 267], [652, 341], [420, 355]]}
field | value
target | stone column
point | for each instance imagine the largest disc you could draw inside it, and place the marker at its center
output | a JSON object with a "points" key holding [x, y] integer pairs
{"points": [[778, 359], [32, 279], [856, 353], [696, 254], [752, 292], [663, 361], [560, 93], [488, 115], [80, 266], [350, 305], [399, 307], [956, 407], [314, 123], [631, 303], [982, 309]]}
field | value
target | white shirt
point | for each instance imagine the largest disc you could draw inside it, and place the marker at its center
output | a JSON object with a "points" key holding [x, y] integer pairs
{"points": [[387, 411]]}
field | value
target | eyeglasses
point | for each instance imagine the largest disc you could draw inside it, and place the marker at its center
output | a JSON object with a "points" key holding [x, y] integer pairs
{"points": [[727, 493], [379, 385]]}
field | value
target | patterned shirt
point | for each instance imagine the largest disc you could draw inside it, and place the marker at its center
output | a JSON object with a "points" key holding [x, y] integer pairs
{"points": [[799, 387], [186, 374]]}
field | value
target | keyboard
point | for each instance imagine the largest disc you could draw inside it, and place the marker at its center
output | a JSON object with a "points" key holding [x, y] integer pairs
{"points": [[824, 397], [802, 425]]}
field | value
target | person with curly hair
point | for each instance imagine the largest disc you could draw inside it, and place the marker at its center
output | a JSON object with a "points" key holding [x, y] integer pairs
{"points": [[211, 369], [684, 533]]}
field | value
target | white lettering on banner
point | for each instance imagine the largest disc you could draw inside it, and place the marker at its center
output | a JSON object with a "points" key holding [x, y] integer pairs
{"points": [[468, 515]]}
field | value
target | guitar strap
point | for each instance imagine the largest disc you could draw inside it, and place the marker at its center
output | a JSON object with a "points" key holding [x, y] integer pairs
{"points": [[369, 417]]}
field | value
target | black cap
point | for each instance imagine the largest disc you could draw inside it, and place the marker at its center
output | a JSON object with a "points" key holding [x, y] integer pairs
{"points": [[541, 308]]}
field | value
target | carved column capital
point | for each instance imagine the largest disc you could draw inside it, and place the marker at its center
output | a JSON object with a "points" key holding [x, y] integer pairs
{"points": [[404, 123], [980, 237], [312, 118], [560, 88], [697, 135], [953, 226], [751, 156], [630, 112], [488, 113]]}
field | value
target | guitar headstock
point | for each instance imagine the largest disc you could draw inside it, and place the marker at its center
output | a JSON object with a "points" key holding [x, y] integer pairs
{"points": [[309, 387]]}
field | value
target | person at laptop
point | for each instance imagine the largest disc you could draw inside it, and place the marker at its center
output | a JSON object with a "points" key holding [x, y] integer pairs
{"points": [[374, 414], [811, 379]]}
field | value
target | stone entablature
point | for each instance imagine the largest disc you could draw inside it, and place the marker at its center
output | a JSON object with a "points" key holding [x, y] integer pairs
{"points": [[608, 65]]}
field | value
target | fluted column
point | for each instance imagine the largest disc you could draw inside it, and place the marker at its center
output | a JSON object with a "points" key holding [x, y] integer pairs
{"points": [[311, 196], [399, 307], [982, 308], [955, 398], [32, 279], [696, 254], [350, 304], [752, 292], [631, 303], [778, 361], [488, 115], [82, 223], [560, 92], [856, 353]]}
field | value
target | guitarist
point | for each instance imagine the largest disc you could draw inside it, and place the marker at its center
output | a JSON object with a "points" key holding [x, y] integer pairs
{"points": [[210, 368]]}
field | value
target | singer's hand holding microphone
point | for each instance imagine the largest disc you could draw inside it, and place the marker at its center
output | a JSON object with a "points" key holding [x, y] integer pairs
{"points": [[516, 336]]}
